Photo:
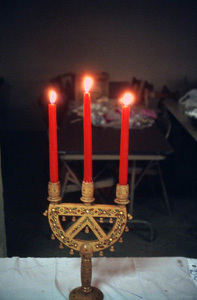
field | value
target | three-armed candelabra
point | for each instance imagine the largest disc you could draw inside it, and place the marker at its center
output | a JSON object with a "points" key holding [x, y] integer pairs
{"points": [[87, 216]]}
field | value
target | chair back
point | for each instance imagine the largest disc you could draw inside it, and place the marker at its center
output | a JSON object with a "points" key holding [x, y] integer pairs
{"points": [[99, 90]]}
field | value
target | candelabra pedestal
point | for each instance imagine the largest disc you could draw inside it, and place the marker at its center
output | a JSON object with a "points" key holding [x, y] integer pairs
{"points": [[86, 291], [87, 216]]}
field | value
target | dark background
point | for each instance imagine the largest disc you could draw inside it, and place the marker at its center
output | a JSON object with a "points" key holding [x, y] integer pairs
{"points": [[152, 40]]}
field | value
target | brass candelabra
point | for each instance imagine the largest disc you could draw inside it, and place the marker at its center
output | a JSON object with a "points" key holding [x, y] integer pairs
{"points": [[87, 216]]}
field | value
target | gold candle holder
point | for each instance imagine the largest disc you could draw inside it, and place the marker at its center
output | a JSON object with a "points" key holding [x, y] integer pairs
{"points": [[87, 214], [87, 191], [122, 193], [54, 192]]}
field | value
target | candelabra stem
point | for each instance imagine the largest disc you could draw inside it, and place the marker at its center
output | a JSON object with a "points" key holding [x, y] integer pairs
{"points": [[86, 291]]}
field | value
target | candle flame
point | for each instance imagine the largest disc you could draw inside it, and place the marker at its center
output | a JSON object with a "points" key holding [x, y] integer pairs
{"points": [[87, 84], [127, 99], [52, 96]]}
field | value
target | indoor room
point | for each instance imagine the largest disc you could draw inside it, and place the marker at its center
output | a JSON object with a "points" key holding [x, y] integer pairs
{"points": [[98, 116]]}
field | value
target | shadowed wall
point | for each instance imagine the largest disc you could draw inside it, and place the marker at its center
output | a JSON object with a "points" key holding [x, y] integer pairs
{"points": [[152, 40]]}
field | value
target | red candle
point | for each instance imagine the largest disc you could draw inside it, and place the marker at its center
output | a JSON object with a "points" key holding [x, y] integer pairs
{"points": [[124, 141], [87, 131], [53, 158]]}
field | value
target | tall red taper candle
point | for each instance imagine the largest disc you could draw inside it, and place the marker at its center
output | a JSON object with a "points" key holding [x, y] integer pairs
{"points": [[124, 141], [87, 131], [53, 158]]}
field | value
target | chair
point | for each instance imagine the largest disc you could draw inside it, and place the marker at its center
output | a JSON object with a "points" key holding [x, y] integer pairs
{"points": [[99, 90], [147, 92], [104, 182], [154, 99], [137, 88], [64, 86], [117, 88], [151, 168]]}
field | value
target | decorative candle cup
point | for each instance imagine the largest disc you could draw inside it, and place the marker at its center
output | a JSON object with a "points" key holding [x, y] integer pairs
{"points": [[122, 193], [87, 192], [54, 192]]}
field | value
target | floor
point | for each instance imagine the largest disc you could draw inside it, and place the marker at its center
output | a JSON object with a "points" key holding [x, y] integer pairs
{"points": [[25, 179]]}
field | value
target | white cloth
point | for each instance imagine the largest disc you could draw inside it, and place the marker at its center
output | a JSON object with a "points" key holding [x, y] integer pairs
{"points": [[118, 278]]}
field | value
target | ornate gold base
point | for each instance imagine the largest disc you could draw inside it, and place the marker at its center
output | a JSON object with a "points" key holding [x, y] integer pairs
{"points": [[78, 294], [86, 216]]}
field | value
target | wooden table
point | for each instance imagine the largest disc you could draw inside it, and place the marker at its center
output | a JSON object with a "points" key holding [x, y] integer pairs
{"points": [[144, 144]]}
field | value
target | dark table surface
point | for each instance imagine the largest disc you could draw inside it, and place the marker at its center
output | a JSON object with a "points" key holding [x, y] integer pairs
{"points": [[146, 141]]}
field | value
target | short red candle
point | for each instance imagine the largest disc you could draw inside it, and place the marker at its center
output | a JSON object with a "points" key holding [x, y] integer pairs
{"points": [[124, 141], [87, 131], [53, 157]]}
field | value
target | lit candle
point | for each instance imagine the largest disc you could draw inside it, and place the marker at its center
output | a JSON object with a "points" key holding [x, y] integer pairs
{"points": [[124, 141], [87, 131], [53, 158]]}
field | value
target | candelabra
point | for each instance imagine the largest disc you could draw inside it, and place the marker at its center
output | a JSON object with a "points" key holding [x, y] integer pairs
{"points": [[87, 216]]}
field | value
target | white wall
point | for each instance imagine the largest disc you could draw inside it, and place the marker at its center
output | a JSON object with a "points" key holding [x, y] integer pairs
{"points": [[152, 40]]}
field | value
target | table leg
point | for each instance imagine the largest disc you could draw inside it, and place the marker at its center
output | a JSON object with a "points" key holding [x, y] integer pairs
{"points": [[164, 189], [132, 191], [132, 186]]}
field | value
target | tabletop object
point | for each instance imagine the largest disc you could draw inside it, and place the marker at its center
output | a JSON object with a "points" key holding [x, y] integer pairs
{"points": [[178, 111]]}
